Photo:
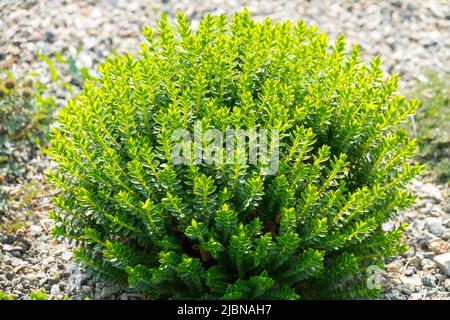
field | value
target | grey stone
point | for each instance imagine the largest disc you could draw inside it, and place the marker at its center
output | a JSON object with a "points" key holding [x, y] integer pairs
{"points": [[435, 225], [49, 36], [409, 272], [10, 248], [86, 289], [43, 281], [62, 286], [443, 261], [447, 284], [429, 190], [15, 262], [427, 281], [406, 290], [123, 296], [107, 292]]}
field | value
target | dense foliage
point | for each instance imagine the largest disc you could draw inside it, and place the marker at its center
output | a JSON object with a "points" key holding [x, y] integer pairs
{"points": [[227, 230], [25, 114]]}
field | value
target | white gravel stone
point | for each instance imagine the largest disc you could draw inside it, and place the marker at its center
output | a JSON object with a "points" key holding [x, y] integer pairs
{"points": [[431, 191], [67, 255], [55, 290], [36, 230]]}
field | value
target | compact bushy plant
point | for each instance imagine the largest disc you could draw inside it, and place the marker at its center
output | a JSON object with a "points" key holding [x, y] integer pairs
{"points": [[310, 226], [25, 114]]}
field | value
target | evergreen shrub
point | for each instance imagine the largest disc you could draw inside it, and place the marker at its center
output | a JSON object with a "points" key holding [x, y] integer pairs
{"points": [[311, 228]]}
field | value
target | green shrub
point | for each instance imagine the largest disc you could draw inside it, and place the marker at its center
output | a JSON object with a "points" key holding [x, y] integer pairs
{"points": [[25, 114], [38, 295], [432, 125], [34, 295], [4, 296], [233, 229]]}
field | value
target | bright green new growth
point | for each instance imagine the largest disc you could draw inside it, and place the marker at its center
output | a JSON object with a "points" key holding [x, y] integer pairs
{"points": [[226, 231]]}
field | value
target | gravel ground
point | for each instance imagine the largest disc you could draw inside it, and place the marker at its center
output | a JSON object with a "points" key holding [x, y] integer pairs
{"points": [[410, 36], [418, 275]]}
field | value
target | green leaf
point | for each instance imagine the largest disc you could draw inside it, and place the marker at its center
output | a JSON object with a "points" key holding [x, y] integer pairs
{"points": [[49, 62]]}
